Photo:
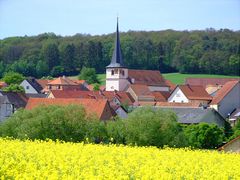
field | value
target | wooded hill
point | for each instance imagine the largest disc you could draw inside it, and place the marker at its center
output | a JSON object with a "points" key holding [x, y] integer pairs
{"points": [[208, 52]]}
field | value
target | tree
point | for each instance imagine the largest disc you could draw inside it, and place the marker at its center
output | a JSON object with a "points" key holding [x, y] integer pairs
{"points": [[41, 69], [89, 75], [154, 127], [51, 55], [68, 123], [14, 88], [13, 78], [203, 135], [68, 58], [57, 71]]}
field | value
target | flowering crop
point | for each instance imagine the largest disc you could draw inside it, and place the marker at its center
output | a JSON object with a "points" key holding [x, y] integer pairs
{"points": [[59, 160]]}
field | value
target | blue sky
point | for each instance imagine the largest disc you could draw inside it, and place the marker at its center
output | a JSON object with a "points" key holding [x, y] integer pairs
{"points": [[68, 17]]}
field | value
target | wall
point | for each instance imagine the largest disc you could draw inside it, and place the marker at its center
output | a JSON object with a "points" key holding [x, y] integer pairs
{"points": [[118, 81], [230, 101], [158, 88], [233, 147], [30, 89], [121, 113], [178, 96]]}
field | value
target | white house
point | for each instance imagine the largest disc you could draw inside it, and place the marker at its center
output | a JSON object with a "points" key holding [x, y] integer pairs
{"points": [[227, 98], [31, 86], [189, 93]]}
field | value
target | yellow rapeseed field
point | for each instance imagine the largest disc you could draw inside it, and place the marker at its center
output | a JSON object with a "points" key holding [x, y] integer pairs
{"points": [[55, 160]]}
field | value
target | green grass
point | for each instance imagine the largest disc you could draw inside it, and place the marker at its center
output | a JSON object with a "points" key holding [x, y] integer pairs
{"points": [[176, 78]]}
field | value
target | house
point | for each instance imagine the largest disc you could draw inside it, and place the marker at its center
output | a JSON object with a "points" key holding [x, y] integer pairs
{"points": [[63, 83], [197, 115], [232, 146], [31, 86], [211, 85], [116, 97], [10, 102], [227, 99], [99, 107], [189, 93], [119, 77], [234, 117]]}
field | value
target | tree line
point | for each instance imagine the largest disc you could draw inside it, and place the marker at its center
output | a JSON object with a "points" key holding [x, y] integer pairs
{"points": [[209, 51]]}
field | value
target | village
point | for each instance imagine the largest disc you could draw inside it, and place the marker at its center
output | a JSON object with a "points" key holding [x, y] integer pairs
{"points": [[199, 100]]}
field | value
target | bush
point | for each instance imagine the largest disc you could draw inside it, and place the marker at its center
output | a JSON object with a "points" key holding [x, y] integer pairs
{"points": [[146, 126], [13, 78], [14, 88], [203, 135], [68, 123], [89, 75]]}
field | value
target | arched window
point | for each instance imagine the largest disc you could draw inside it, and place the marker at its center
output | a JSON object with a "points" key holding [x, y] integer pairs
{"points": [[112, 72]]}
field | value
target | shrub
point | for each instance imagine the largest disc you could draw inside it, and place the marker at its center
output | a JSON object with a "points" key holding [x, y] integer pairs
{"points": [[155, 127], [204, 135], [68, 123]]}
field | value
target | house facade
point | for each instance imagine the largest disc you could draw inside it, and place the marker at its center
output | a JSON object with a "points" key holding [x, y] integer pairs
{"points": [[190, 93], [227, 99], [10, 102]]}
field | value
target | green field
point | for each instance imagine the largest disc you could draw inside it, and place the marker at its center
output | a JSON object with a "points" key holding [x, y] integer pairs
{"points": [[176, 78]]}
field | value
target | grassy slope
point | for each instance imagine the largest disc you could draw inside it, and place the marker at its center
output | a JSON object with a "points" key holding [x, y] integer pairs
{"points": [[176, 78]]}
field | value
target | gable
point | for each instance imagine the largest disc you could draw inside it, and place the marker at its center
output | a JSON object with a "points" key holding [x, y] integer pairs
{"points": [[29, 88], [178, 96]]}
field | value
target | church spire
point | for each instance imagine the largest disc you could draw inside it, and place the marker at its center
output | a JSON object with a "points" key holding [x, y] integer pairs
{"points": [[117, 60]]}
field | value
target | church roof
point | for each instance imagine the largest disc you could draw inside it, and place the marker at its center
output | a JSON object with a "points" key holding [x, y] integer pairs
{"points": [[117, 60]]}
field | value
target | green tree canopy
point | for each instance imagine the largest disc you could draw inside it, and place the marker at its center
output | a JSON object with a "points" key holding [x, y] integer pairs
{"points": [[203, 135], [13, 78], [89, 75]]}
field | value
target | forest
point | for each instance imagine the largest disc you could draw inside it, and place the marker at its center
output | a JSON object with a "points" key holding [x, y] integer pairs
{"points": [[207, 51]]}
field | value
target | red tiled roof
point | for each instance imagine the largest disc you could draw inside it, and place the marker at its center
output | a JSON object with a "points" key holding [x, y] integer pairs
{"points": [[97, 106], [171, 85], [43, 82], [209, 81], [194, 104], [221, 93], [62, 81], [141, 90], [195, 92], [123, 97], [147, 77], [2, 84], [161, 96]]}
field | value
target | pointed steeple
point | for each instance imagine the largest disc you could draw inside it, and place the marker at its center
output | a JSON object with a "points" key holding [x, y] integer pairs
{"points": [[117, 60]]}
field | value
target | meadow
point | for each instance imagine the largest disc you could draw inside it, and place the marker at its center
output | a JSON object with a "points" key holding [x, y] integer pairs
{"points": [[60, 160]]}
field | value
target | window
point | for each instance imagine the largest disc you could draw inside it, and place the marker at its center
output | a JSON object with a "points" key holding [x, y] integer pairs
{"points": [[27, 87], [112, 72], [123, 72], [59, 87], [115, 71], [50, 87]]}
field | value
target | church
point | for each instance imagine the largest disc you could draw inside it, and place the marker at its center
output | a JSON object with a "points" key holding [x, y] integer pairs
{"points": [[120, 78]]}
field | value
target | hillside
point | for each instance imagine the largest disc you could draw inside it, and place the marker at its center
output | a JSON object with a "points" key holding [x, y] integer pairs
{"points": [[202, 52]]}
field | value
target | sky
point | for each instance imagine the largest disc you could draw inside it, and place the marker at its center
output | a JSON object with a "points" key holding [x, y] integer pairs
{"points": [[96, 17]]}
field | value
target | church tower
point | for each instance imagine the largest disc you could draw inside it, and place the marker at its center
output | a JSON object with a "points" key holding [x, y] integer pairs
{"points": [[116, 71]]}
